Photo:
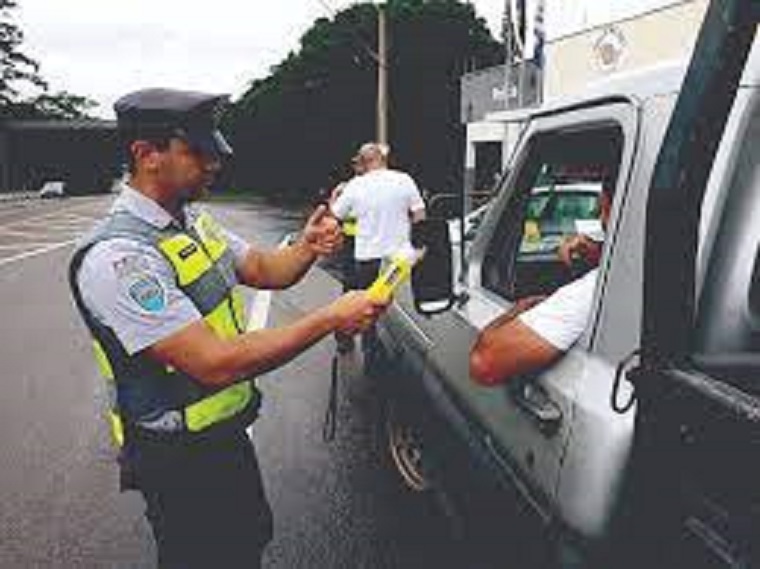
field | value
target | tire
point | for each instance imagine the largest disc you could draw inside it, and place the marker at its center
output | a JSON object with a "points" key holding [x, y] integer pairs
{"points": [[405, 448]]}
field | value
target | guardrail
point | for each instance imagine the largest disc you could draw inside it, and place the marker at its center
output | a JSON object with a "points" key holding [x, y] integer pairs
{"points": [[17, 196]]}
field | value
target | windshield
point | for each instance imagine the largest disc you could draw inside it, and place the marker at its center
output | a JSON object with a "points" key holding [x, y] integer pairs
{"points": [[555, 211]]}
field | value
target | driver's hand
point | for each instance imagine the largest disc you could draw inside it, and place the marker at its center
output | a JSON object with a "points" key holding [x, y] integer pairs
{"points": [[579, 250]]}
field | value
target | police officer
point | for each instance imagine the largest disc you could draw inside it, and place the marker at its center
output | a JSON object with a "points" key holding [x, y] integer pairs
{"points": [[157, 283]]}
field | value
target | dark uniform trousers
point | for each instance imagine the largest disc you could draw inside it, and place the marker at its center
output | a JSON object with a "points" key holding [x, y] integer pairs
{"points": [[205, 499], [348, 265]]}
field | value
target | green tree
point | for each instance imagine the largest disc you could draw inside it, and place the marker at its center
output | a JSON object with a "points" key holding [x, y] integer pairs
{"points": [[61, 105], [15, 66], [295, 129]]}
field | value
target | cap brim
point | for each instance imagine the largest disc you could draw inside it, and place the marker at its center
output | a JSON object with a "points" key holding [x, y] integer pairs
{"points": [[210, 143]]}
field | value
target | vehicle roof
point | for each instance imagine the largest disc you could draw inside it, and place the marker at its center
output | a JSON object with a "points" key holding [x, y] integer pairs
{"points": [[662, 79], [570, 188]]}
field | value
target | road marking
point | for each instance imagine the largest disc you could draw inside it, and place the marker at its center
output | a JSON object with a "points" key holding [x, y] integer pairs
{"points": [[257, 319], [74, 210], [19, 232], [26, 228], [38, 244], [52, 225], [41, 225], [259, 314], [64, 222], [28, 254]]}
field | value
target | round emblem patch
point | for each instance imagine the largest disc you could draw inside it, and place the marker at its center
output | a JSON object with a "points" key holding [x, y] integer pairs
{"points": [[148, 292]]}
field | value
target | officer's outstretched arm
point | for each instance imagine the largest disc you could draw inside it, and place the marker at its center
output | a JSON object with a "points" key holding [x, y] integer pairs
{"points": [[275, 270], [285, 266], [214, 361]]}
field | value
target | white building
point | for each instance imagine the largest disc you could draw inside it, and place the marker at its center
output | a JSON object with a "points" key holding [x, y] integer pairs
{"points": [[586, 41]]}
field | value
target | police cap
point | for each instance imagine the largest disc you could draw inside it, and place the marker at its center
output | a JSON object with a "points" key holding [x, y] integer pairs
{"points": [[188, 115]]}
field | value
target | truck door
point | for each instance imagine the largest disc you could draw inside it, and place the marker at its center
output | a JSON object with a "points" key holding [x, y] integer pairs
{"points": [[552, 192], [694, 497]]}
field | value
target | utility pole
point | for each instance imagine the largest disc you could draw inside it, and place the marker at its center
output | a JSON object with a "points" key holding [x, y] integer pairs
{"points": [[382, 76]]}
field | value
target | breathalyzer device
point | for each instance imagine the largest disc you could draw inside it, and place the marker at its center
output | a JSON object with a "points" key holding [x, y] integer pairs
{"points": [[396, 272]]}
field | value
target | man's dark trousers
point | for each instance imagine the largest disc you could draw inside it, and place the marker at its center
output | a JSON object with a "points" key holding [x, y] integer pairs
{"points": [[205, 500], [365, 273]]}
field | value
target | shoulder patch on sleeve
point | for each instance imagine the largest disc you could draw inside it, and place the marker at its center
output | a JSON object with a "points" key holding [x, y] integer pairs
{"points": [[130, 264], [148, 292]]}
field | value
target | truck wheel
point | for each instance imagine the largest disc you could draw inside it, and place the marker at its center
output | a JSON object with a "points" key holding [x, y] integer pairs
{"points": [[405, 447]]}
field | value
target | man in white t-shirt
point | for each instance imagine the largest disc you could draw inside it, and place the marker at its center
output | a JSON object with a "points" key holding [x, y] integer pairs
{"points": [[537, 331], [385, 203]]}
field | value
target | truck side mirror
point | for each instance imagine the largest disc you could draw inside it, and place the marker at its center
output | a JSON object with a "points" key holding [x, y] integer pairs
{"points": [[432, 283]]}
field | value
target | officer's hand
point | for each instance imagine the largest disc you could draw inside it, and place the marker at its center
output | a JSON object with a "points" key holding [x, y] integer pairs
{"points": [[578, 250], [355, 311], [322, 235]]}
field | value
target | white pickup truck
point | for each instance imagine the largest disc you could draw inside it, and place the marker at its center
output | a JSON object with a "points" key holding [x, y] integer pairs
{"points": [[641, 446]]}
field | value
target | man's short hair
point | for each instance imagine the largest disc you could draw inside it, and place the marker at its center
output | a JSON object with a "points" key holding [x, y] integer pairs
{"points": [[370, 150]]}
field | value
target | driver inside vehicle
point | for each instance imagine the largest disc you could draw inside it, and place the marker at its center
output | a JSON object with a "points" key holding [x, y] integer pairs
{"points": [[538, 330]]}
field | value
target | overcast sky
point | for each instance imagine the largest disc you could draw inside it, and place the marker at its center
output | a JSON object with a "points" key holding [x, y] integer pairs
{"points": [[104, 48]]}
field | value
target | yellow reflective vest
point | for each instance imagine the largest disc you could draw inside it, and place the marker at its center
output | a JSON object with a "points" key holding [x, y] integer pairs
{"points": [[350, 227], [144, 393]]}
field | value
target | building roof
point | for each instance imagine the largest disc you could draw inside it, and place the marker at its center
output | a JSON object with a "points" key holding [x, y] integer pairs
{"points": [[640, 84], [57, 124]]}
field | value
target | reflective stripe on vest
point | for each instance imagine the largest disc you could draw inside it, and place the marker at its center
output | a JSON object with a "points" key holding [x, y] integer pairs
{"points": [[218, 407], [350, 226], [198, 267], [105, 369]]}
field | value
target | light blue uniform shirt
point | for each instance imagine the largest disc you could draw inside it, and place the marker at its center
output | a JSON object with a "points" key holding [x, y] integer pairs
{"points": [[131, 287]]}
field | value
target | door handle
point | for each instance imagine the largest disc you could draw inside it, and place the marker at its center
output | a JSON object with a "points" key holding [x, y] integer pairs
{"points": [[533, 400]]}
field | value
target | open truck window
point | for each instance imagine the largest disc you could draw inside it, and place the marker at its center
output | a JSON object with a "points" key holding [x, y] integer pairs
{"points": [[556, 195]]}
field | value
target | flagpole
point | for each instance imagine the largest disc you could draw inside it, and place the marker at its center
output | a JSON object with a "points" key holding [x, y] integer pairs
{"points": [[506, 32], [539, 34], [521, 30], [382, 76]]}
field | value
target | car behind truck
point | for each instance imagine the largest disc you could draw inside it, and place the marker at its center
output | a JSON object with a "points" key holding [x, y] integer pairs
{"points": [[641, 446]]}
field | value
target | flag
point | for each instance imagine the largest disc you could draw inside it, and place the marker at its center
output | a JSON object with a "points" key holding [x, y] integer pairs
{"points": [[520, 21], [539, 34], [507, 33]]}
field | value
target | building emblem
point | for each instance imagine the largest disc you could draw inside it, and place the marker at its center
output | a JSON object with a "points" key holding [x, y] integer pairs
{"points": [[609, 48]]}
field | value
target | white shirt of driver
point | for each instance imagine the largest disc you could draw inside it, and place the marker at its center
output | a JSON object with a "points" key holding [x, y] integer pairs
{"points": [[562, 317], [131, 287], [381, 201]]}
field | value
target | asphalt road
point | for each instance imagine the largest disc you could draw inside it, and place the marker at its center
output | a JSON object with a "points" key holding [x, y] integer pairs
{"points": [[336, 504]]}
